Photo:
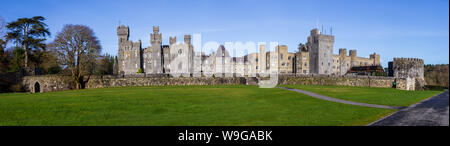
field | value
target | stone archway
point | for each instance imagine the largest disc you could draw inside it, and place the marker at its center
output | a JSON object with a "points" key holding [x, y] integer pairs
{"points": [[37, 88]]}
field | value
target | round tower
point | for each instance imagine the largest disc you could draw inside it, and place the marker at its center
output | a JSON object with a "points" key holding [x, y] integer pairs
{"points": [[412, 69]]}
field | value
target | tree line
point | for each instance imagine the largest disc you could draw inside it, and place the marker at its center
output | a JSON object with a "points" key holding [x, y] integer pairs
{"points": [[437, 74], [75, 51]]}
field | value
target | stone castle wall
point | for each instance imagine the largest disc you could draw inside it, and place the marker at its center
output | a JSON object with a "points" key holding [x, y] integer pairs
{"points": [[50, 83], [360, 81], [112, 81]]}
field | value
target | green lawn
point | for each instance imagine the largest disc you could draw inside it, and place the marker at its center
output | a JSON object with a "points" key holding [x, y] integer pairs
{"points": [[382, 96], [178, 105]]}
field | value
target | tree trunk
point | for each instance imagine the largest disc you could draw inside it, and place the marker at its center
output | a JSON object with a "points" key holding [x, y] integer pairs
{"points": [[26, 55], [78, 86], [79, 83]]}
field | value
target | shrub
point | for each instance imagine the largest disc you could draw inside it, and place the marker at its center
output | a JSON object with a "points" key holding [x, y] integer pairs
{"points": [[140, 70]]}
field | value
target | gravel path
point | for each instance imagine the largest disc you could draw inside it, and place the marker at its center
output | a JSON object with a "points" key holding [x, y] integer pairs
{"points": [[339, 100], [431, 112]]}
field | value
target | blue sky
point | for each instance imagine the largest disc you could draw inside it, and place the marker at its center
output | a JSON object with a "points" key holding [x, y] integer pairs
{"points": [[391, 28]]}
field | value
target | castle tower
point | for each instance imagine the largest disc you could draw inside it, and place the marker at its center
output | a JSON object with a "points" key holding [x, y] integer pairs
{"points": [[344, 64], [123, 33], [353, 58], [172, 40], [302, 60], [262, 59], [187, 39], [321, 49], [376, 58], [342, 52], [129, 53], [190, 54], [156, 52], [412, 69]]}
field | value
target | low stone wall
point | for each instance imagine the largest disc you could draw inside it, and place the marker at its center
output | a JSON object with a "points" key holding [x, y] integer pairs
{"points": [[362, 81], [49, 83], [112, 81]]}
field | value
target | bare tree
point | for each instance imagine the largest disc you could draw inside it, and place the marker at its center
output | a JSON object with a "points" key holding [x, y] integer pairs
{"points": [[77, 49]]}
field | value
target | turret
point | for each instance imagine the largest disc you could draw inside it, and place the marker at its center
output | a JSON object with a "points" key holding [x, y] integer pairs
{"points": [[376, 58], [187, 39], [342, 52], [353, 54], [155, 37], [172, 40], [123, 32], [315, 31], [155, 29]]}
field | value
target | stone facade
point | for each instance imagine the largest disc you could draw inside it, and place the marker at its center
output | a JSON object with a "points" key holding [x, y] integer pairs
{"points": [[286, 62], [321, 52], [129, 53], [302, 60], [323, 61], [411, 69], [47, 83], [342, 63], [181, 59], [316, 57]]}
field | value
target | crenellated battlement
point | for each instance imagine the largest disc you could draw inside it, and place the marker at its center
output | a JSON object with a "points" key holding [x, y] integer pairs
{"points": [[123, 30], [409, 60], [412, 69]]}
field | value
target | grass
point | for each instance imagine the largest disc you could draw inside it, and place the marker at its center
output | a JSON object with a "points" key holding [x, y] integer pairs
{"points": [[382, 96], [180, 105]]}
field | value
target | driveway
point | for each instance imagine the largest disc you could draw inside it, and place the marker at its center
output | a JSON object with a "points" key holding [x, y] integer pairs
{"points": [[431, 112]]}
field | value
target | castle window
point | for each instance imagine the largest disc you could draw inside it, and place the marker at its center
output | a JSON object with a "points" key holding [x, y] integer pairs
{"points": [[282, 64], [322, 63], [289, 58], [281, 56], [306, 64], [328, 64]]}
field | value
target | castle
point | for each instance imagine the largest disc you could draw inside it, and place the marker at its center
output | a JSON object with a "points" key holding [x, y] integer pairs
{"points": [[179, 59], [313, 64]]}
